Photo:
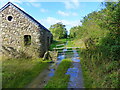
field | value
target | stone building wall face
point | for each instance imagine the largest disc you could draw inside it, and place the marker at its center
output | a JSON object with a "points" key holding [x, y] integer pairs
{"points": [[13, 33], [45, 41]]}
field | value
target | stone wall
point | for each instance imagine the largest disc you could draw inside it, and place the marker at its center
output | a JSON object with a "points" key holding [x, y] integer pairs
{"points": [[14, 26], [51, 55]]}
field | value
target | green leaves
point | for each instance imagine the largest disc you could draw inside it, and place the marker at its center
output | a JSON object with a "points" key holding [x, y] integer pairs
{"points": [[58, 30], [100, 32]]}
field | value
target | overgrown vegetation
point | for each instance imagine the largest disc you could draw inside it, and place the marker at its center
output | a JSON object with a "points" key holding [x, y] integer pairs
{"points": [[99, 71], [60, 79], [17, 73], [99, 36]]}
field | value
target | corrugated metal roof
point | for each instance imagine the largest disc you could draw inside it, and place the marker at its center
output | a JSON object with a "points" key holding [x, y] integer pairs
{"points": [[27, 15]]}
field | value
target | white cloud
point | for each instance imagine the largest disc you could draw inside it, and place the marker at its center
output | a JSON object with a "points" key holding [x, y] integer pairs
{"points": [[74, 14], [68, 5], [76, 2], [71, 4], [28, 4], [63, 13], [51, 20], [43, 10], [67, 13]]}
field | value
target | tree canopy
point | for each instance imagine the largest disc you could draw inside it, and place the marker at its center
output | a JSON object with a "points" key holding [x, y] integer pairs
{"points": [[101, 28], [100, 48], [58, 30]]}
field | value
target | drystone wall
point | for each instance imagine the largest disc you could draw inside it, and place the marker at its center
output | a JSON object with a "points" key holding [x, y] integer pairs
{"points": [[15, 27]]}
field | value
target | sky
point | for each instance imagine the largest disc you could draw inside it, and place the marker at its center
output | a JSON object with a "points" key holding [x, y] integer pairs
{"points": [[69, 12]]}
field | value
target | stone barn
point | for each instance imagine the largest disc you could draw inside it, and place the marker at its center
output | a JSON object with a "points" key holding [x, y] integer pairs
{"points": [[22, 34]]}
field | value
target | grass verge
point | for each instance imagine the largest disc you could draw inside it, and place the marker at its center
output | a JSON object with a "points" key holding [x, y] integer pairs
{"points": [[54, 43], [60, 79], [17, 73], [98, 71]]}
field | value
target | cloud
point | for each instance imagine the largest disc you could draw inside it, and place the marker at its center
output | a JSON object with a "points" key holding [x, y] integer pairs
{"points": [[74, 14], [71, 4], [67, 13], [43, 10], [68, 5], [75, 2], [51, 20], [63, 13]]}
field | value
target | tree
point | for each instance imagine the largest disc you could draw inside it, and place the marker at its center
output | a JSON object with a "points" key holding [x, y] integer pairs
{"points": [[74, 31], [90, 31], [58, 30], [101, 29], [112, 23]]}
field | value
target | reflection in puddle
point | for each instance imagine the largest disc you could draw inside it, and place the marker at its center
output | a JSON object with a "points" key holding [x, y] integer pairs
{"points": [[75, 53], [51, 72], [75, 72], [74, 59], [60, 57], [76, 79], [64, 50]]}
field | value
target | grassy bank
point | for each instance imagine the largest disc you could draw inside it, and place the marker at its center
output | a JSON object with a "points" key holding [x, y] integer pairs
{"points": [[98, 70], [75, 43], [17, 73], [60, 79]]}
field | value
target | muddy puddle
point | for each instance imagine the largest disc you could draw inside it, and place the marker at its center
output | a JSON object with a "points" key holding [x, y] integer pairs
{"points": [[75, 72], [76, 78], [44, 77], [54, 66]]}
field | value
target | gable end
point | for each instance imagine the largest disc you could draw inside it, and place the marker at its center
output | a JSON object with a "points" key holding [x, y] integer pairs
{"points": [[25, 14]]}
